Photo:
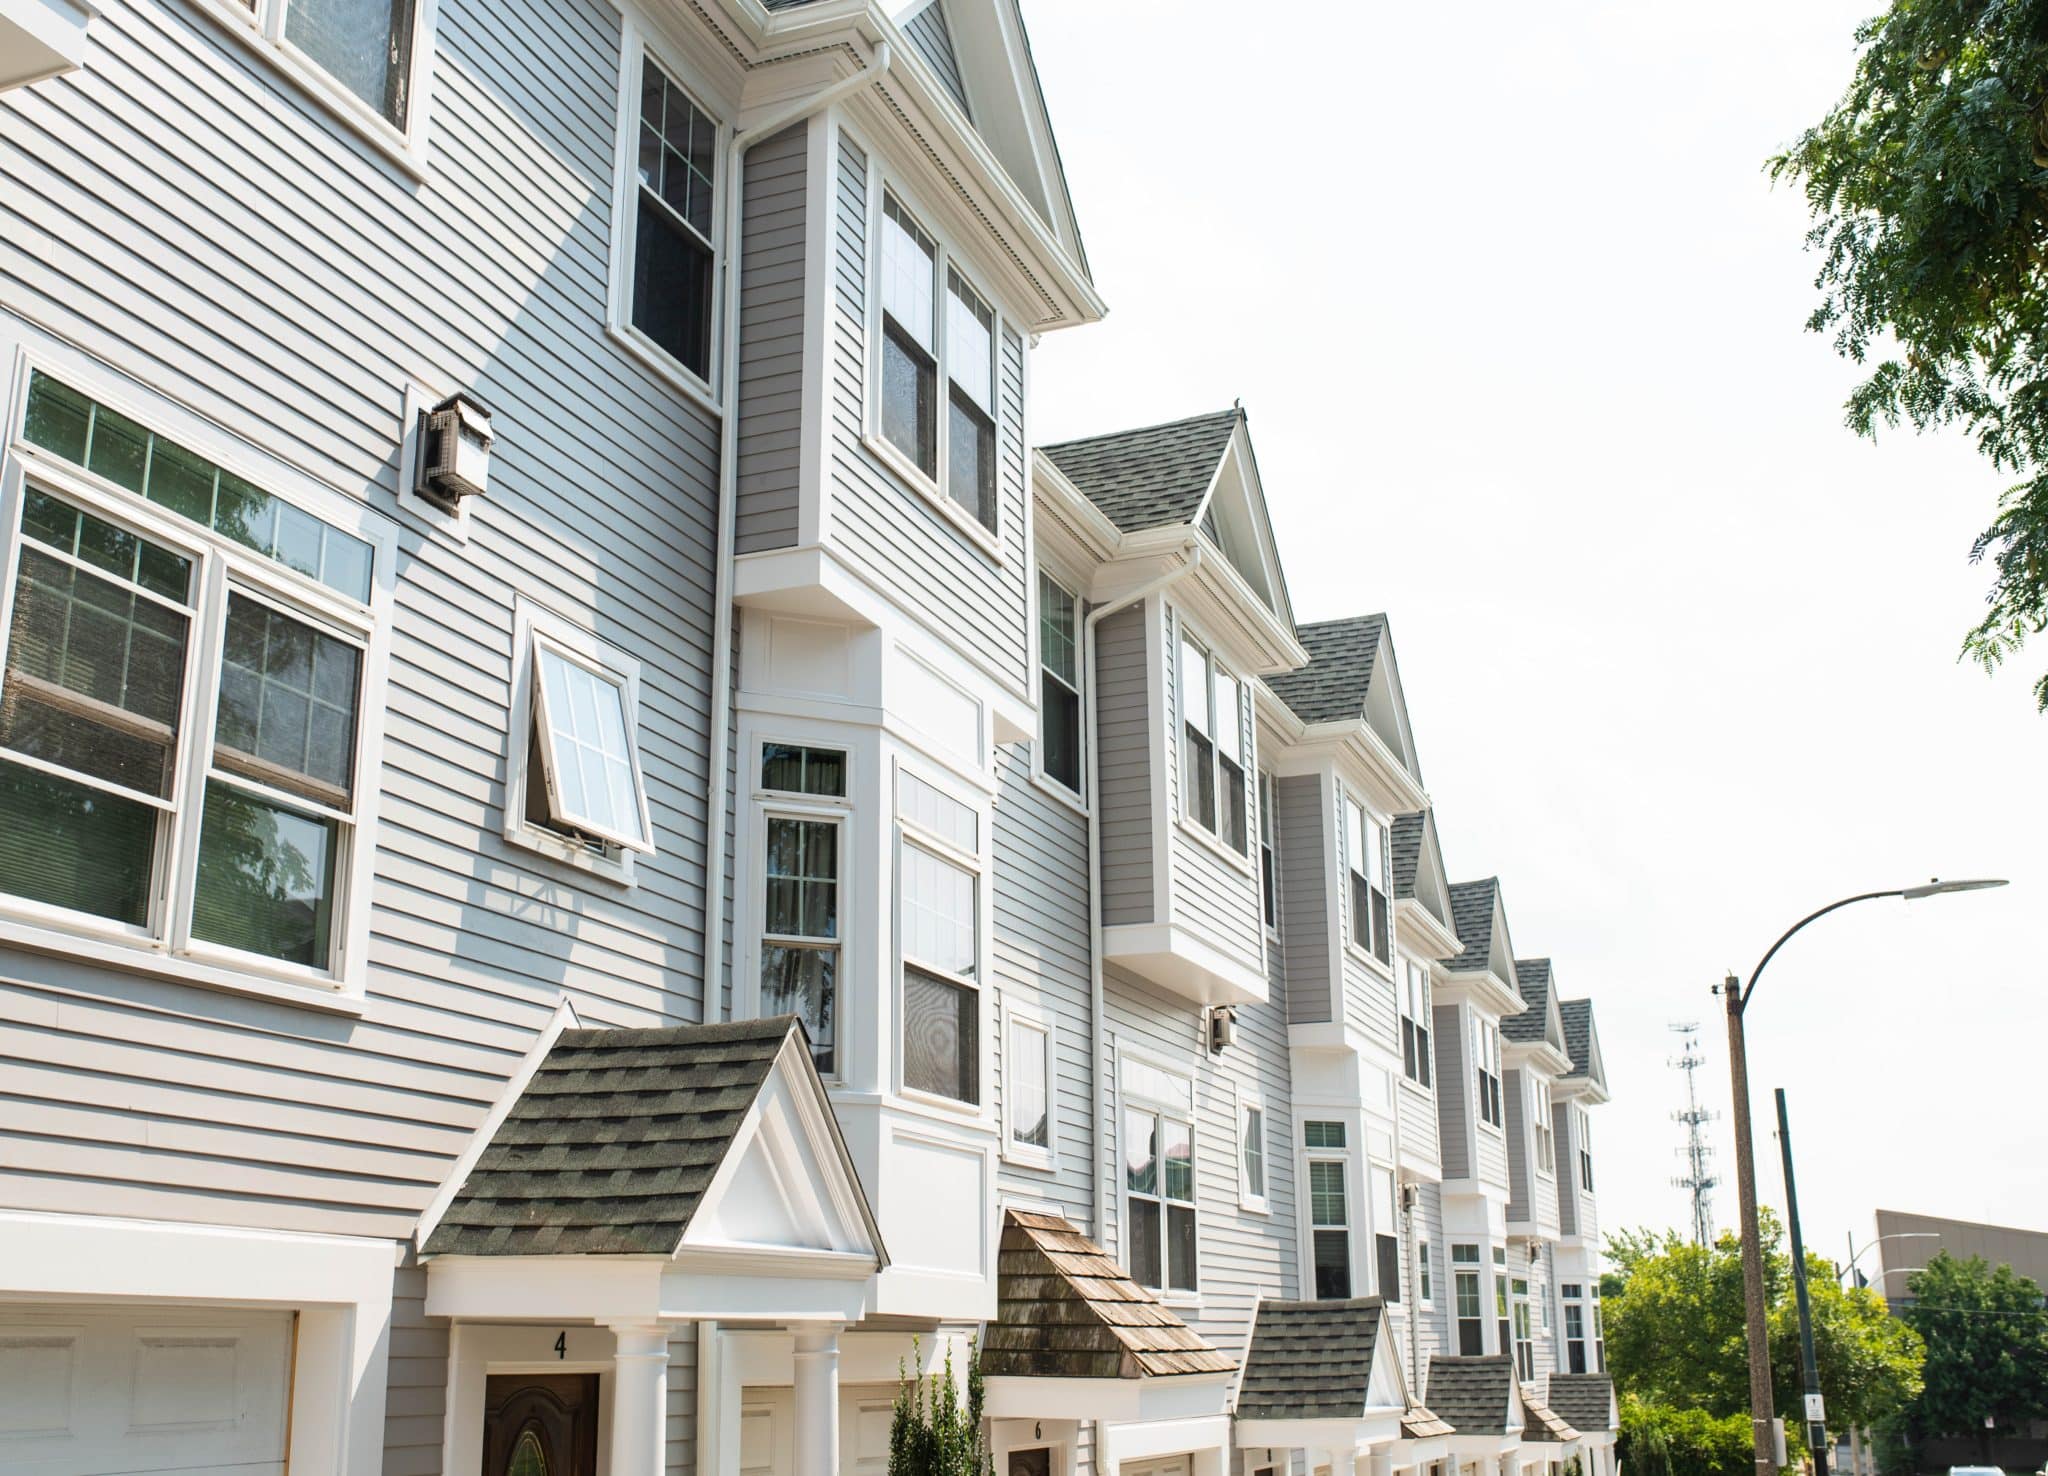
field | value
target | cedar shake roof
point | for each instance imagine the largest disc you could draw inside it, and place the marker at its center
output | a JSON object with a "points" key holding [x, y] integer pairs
{"points": [[1420, 1424], [1405, 837], [1066, 1310], [1473, 904], [1540, 1423], [1578, 1034], [1310, 1360], [610, 1147], [1587, 1400], [1473, 1395], [1333, 686], [1533, 975], [1153, 477]]}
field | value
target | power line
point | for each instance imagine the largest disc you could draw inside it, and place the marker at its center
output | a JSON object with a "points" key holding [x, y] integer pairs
{"points": [[1699, 1180]]}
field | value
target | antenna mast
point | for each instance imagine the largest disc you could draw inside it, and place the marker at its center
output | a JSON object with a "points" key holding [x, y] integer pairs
{"points": [[1698, 1180]]}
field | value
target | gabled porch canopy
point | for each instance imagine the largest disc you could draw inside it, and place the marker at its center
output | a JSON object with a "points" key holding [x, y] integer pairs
{"points": [[661, 1176], [1587, 1402], [1075, 1338], [1481, 1401], [1321, 1376]]}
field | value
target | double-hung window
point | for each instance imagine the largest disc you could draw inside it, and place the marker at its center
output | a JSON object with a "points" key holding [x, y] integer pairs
{"points": [[1486, 1070], [1329, 1208], [1415, 1022], [1269, 865], [1599, 1335], [186, 674], [1212, 746], [1159, 1177], [368, 56], [1500, 1300], [936, 328], [1386, 1240], [1027, 1088], [1059, 683], [1365, 854], [1584, 1125], [1545, 1132], [1251, 1155], [801, 843], [673, 261], [1465, 1290], [1425, 1275], [940, 920], [1525, 1341], [1574, 1326]]}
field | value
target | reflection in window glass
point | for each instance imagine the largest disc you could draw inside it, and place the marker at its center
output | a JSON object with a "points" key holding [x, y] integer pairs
{"points": [[588, 754]]}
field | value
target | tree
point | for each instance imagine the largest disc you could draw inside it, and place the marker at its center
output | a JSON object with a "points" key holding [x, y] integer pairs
{"points": [[1928, 184], [932, 1431], [1987, 1348], [1656, 1440]]}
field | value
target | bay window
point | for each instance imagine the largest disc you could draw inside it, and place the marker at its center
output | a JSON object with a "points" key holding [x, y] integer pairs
{"points": [[673, 257], [1365, 854], [1159, 1177], [181, 710], [1465, 1289], [1415, 1022], [1059, 683], [940, 921], [1212, 746]]}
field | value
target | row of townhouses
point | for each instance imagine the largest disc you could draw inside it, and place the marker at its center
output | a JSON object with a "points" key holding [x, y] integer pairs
{"points": [[599, 852]]}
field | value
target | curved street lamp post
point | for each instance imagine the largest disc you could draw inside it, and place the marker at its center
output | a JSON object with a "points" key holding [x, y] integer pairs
{"points": [[1736, 996]]}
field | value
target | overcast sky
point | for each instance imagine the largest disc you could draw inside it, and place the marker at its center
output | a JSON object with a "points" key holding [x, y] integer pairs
{"points": [[1518, 321]]}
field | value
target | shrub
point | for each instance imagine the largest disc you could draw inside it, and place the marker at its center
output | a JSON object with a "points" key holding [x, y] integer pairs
{"points": [[1656, 1440], [932, 1432]]}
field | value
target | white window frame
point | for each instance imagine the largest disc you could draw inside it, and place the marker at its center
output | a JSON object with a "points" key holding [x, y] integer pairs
{"points": [[1425, 1274], [1414, 990], [1269, 852], [1523, 1323], [1546, 1135], [910, 835], [761, 939], [1345, 1158], [945, 261], [1475, 1268], [260, 26], [1078, 798], [1383, 1176], [1486, 1065], [166, 947], [1181, 1108], [1370, 823], [1583, 1123], [1030, 1020], [1249, 1100], [534, 625], [639, 38], [1213, 666]]}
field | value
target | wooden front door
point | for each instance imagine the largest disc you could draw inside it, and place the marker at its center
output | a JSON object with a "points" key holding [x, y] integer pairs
{"points": [[540, 1425]]}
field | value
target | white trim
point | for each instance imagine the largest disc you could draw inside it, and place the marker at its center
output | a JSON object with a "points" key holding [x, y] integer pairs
{"points": [[340, 1287], [1250, 1098], [1016, 1014], [1187, 1110], [1042, 571]]}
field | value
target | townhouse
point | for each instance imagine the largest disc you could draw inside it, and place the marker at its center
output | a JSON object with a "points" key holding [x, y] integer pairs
{"points": [[774, 874]]}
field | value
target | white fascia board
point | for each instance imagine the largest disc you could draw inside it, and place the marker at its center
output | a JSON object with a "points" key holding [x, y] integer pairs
{"points": [[1415, 924], [1420, 1452], [746, 1294], [1256, 640], [559, 1288], [1484, 1445], [1122, 1400], [1486, 990], [1175, 959], [1353, 742], [1372, 1427], [1058, 498], [1540, 1054], [40, 39]]}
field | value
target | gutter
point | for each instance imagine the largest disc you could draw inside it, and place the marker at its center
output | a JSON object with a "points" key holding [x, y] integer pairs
{"points": [[716, 833]]}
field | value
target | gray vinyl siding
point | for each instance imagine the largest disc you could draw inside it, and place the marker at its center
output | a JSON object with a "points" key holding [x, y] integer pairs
{"points": [[1454, 1093], [263, 271], [1369, 1006], [1041, 958], [416, 1398], [1433, 1325], [773, 298], [682, 1401], [891, 534], [1124, 750], [1490, 1155], [1543, 1303], [1417, 1109], [929, 33], [1521, 1203], [1567, 1169], [1209, 895], [1242, 1255], [1303, 819]]}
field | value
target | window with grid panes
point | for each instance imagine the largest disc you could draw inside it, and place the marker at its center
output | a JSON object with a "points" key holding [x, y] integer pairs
{"points": [[1471, 1315], [674, 258], [1545, 1131], [1330, 1227], [1585, 1125], [1059, 683], [1525, 1340], [941, 939], [1159, 1197], [800, 929], [1500, 1301], [1212, 746]]}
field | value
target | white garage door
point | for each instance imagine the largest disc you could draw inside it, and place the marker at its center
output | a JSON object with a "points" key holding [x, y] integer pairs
{"points": [[106, 1391]]}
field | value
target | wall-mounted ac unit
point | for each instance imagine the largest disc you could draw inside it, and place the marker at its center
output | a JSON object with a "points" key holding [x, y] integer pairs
{"points": [[454, 451]]}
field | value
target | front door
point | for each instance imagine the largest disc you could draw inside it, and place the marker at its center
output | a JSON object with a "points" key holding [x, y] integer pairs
{"points": [[540, 1425]]}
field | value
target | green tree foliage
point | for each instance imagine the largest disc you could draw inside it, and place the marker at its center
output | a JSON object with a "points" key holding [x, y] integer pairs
{"points": [[1987, 1348], [1657, 1440], [1676, 1336], [1928, 183], [932, 1431]]}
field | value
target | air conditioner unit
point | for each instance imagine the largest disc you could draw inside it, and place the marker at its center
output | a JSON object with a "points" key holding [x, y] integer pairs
{"points": [[454, 451], [1222, 1029]]}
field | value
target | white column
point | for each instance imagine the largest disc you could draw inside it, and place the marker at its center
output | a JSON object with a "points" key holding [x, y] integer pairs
{"points": [[1378, 1460], [640, 1399], [817, 1398]]}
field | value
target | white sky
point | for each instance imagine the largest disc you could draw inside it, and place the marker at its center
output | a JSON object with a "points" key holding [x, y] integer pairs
{"points": [[1518, 321]]}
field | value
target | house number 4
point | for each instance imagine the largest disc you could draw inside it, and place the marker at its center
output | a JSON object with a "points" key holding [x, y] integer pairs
{"points": [[561, 1345]]}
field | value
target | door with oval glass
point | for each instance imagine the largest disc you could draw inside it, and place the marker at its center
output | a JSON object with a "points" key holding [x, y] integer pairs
{"points": [[540, 1425]]}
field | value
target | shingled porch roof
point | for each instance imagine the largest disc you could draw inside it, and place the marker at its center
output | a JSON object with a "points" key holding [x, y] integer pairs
{"points": [[1586, 1400], [1540, 1422], [1065, 1310]]}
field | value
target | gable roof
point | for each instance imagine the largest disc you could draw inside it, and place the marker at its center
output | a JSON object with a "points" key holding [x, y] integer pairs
{"points": [[1581, 1040], [1474, 1396], [614, 1142], [1311, 1360], [1332, 687], [1405, 836], [1064, 1309], [1152, 477], [1586, 1400], [1481, 925], [1532, 976]]}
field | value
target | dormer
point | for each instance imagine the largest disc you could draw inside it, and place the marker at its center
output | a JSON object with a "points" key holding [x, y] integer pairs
{"points": [[1581, 1088], [1422, 890], [1534, 1057], [1477, 990], [1195, 617]]}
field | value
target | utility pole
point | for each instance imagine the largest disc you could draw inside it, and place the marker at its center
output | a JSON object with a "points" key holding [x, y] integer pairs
{"points": [[1698, 1180], [1816, 1412], [1760, 1417]]}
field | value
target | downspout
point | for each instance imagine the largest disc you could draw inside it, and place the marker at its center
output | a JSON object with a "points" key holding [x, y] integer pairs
{"points": [[1193, 550], [716, 833]]}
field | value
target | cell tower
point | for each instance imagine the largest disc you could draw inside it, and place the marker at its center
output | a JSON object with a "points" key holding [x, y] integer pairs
{"points": [[1698, 1180]]}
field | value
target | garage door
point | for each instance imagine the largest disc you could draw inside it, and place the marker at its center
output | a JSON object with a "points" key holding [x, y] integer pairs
{"points": [[103, 1391], [768, 1438]]}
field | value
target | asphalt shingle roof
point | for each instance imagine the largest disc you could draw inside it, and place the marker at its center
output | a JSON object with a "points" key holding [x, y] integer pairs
{"points": [[1578, 1034], [611, 1146], [1310, 1360], [1587, 1400], [1406, 839], [1472, 1395], [1532, 975], [1472, 908], [1341, 656], [1152, 477], [1064, 1309], [1540, 1422]]}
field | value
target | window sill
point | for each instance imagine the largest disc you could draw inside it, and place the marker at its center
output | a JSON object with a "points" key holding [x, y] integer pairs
{"points": [[913, 477], [404, 152], [1058, 791], [1019, 1155], [1409, 1083], [153, 960], [933, 1104], [1208, 839], [1370, 960], [665, 367], [564, 852], [1251, 1206]]}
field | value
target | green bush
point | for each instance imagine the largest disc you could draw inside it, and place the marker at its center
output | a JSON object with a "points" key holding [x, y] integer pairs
{"points": [[1656, 1440], [933, 1432]]}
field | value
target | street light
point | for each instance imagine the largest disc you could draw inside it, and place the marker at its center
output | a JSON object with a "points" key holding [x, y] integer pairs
{"points": [[1848, 1267], [1737, 996]]}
